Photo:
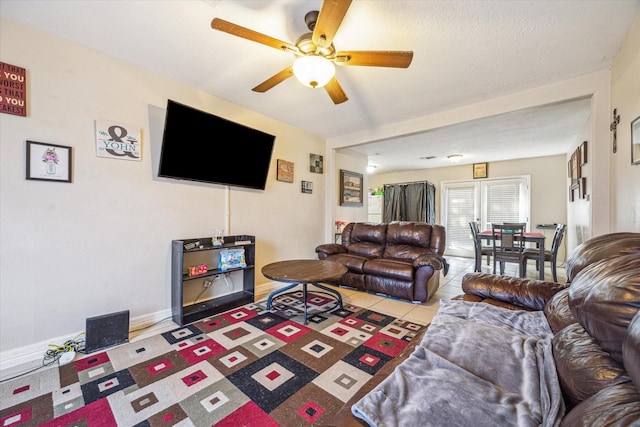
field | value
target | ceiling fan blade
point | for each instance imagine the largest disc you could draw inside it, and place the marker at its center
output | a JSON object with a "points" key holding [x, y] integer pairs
{"points": [[246, 33], [375, 58], [274, 80], [329, 19], [335, 91]]}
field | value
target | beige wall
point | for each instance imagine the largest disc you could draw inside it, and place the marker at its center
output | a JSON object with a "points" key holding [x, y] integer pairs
{"points": [[102, 243], [625, 97]]}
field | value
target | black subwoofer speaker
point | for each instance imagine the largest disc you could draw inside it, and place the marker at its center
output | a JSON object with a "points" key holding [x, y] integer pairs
{"points": [[106, 331]]}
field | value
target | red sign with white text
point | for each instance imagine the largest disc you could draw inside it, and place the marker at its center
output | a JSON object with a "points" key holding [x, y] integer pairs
{"points": [[13, 90]]}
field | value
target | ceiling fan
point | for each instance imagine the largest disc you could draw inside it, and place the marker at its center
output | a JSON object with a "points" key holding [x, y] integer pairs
{"points": [[315, 51]]}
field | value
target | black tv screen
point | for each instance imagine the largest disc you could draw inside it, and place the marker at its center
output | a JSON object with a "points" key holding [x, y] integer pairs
{"points": [[199, 146]]}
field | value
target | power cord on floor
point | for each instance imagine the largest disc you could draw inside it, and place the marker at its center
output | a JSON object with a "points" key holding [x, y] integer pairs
{"points": [[53, 354], [56, 351]]}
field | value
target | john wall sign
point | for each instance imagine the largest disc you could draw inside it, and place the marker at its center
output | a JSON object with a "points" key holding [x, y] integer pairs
{"points": [[13, 90], [118, 141]]}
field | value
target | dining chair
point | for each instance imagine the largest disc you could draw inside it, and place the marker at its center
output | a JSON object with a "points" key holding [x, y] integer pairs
{"points": [[524, 224], [479, 247], [550, 255], [508, 246]]}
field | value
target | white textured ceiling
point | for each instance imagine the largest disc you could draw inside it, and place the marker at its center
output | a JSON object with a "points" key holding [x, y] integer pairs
{"points": [[464, 52]]}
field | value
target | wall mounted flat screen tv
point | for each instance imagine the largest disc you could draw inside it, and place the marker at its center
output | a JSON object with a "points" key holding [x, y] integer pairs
{"points": [[199, 146]]}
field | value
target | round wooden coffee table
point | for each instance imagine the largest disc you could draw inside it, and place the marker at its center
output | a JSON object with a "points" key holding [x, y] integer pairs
{"points": [[304, 272]]}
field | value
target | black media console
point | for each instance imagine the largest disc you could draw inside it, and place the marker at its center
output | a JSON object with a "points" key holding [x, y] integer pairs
{"points": [[199, 288]]}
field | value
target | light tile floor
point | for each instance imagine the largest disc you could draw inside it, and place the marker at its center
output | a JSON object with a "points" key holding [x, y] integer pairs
{"points": [[450, 286]]}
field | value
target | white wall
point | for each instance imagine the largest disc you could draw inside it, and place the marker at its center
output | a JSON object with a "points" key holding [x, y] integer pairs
{"points": [[625, 97], [102, 243]]}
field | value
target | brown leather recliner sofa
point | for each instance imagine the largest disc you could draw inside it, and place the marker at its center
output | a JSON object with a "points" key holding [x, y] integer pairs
{"points": [[596, 324], [595, 318], [399, 259]]}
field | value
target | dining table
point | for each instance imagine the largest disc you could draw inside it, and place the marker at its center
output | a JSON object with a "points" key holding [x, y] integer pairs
{"points": [[532, 237]]}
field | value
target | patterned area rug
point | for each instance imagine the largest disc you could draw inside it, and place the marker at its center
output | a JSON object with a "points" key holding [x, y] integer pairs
{"points": [[244, 367]]}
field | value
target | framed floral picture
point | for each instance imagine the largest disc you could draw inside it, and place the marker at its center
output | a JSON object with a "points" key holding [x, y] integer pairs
{"points": [[48, 162]]}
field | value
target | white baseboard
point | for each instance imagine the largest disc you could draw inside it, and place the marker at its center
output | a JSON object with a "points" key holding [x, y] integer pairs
{"points": [[35, 352]]}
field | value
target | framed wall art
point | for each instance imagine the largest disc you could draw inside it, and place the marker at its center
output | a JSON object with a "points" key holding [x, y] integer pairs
{"points": [[575, 165], [316, 163], [350, 188], [306, 187], [13, 89], [48, 162], [583, 153], [285, 171], [480, 170], [582, 187], [635, 141], [119, 141]]}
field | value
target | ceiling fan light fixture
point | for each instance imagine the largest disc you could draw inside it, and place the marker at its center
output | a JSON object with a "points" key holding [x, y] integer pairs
{"points": [[313, 70], [454, 158]]}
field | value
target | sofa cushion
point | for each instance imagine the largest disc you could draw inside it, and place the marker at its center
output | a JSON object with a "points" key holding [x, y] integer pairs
{"points": [[366, 239], [583, 367], [606, 246], [558, 311], [354, 263], [631, 350], [408, 240], [604, 297], [612, 406], [525, 293], [393, 268]]}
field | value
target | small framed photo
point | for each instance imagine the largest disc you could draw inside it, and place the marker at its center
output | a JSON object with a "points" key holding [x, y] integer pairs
{"points": [[48, 162], [575, 165], [583, 153], [350, 188], [316, 163], [635, 141], [573, 190], [480, 170], [582, 187], [285, 171], [306, 187]]}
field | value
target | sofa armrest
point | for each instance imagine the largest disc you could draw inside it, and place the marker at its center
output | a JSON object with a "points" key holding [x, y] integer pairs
{"points": [[530, 294], [327, 249], [434, 261]]}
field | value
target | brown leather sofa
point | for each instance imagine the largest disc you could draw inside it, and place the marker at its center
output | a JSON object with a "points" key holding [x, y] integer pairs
{"points": [[595, 318], [596, 325], [399, 259]]}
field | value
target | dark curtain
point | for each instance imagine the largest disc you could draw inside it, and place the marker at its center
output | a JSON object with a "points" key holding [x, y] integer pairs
{"points": [[414, 201]]}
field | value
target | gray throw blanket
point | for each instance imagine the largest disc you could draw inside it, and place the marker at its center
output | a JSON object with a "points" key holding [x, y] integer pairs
{"points": [[477, 365]]}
